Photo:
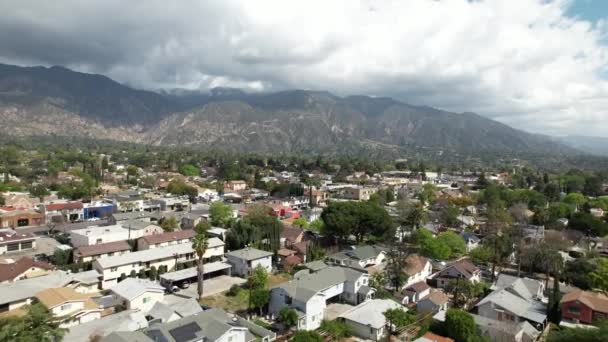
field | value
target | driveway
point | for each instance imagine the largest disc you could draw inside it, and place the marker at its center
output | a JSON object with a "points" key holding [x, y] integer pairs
{"points": [[213, 286], [334, 310], [44, 245]]}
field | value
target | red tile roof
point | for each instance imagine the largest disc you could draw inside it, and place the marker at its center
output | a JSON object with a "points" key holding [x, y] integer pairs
{"points": [[292, 260], [436, 338], [64, 206], [169, 236], [13, 270], [102, 248]]}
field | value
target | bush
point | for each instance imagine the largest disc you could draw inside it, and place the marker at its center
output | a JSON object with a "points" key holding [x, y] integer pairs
{"points": [[234, 290]]}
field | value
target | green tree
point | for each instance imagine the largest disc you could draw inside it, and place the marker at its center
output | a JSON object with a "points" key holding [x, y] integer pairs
{"points": [[579, 334], [39, 191], [258, 289], [38, 324], [454, 242], [189, 170], [288, 317], [600, 276], [449, 215], [220, 214], [300, 222], [397, 318], [481, 255], [169, 224], [200, 244], [338, 330], [578, 273], [317, 225], [460, 325], [306, 336]]}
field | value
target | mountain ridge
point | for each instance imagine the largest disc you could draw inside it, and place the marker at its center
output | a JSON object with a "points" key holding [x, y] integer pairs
{"points": [[59, 101]]}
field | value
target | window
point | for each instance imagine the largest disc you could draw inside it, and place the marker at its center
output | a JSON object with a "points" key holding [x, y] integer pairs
{"points": [[574, 310], [98, 241], [288, 300], [113, 269], [23, 222], [146, 300], [66, 307], [26, 245], [12, 247], [111, 253]]}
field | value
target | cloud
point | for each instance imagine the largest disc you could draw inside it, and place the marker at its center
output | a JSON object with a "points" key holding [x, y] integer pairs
{"points": [[523, 62]]}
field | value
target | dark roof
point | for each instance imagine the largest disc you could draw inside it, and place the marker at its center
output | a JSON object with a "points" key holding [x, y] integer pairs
{"points": [[464, 267], [414, 264], [418, 287], [102, 248], [14, 269], [291, 233], [169, 236]]}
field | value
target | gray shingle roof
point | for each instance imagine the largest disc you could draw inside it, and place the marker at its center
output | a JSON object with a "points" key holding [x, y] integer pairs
{"points": [[249, 254], [132, 288], [307, 285]]}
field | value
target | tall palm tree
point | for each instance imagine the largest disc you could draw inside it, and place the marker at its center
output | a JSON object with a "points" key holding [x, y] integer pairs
{"points": [[200, 244]]}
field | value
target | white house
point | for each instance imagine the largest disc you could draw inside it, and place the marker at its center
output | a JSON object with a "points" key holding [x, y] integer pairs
{"points": [[71, 307], [417, 268], [415, 292], [138, 294], [96, 235], [359, 257], [462, 269], [111, 268], [165, 239], [245, 260], [367, 320], [471, 240], [139, 228], [308, 293]]}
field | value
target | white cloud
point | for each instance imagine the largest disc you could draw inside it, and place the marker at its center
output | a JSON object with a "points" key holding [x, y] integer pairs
{"points": [[523, 62]]}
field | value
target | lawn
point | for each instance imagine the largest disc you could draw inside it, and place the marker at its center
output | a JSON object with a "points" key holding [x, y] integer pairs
{"points": [[276, 279], [228, 303]]}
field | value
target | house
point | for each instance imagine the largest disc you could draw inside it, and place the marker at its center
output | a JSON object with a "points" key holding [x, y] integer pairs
{"points": [[63, 211], [417, 268], [308, 293], [515, 300], [235, 186], [138, 294], [98, 210], [415, 292], [12, 241], [213, 325], [504, 331], [430, 337], [165, 239], [291, 235], [190, 275], [23, 268], [14, 295], [471, 240], [359, 257], [11, 217], [92, 252], [245, 260], [71, 307], [111, 268], [585, 307], [461, 269], [367, 320], [128, 320], [358, 193], [95, 235], [164, 313], [317, 197], [138, 228], [437, 300]]}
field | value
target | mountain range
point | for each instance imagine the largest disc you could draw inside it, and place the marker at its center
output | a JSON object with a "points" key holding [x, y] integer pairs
{"points": [[39, 101]]}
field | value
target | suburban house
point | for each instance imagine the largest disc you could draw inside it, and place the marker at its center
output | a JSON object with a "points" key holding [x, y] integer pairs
{"points": [[358, 193], [415, 292], [165, 239], [462, 269], [213, 325], [471, 240], [437, 300], [138, 294], [96, 235], [367, 320], [291, 235], [11, 270], [235, 186], [72, 307], [164, 313], [584, 307], [308, 293], [506, 331], [11, 217], [138, 228], [417, 268], [12, 241], [111, 268], [92, 252], [63, 211], [245, 260], [359, 257], [515, 300]]}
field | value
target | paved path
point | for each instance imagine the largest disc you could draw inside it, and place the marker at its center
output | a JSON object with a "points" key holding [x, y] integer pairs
{"points": [[213, 286]]}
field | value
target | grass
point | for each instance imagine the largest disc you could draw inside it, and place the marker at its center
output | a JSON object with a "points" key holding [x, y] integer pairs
{"points": [[276, 279], [231, 304]]}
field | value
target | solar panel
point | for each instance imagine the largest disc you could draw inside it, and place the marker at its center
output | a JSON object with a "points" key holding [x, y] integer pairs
{"points": [[185, 332], [156, 335]]}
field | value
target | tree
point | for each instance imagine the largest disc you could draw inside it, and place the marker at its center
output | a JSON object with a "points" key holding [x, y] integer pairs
{"points": [[397, 318], [306, 336], [38, 324], [300, 222], [460, 325], [454, 242], [464, 291], [481, 255], [578, 273], [200, 245], [169, 224], [317, 225], [428, 193], [220, 214], [189, 170], [449, 215], [39, 191], [288, 317], [600, 276], [258, 292], [579, 334]]}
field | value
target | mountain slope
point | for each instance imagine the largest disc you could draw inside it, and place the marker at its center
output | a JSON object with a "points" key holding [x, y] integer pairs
{"points": [[592, 145], [57, 101]]}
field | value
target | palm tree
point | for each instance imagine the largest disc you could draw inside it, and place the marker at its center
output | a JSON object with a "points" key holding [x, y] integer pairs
{"points": [[200, 244]]}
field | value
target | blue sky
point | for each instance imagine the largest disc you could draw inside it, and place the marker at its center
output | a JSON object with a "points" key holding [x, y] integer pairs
{"points": [[592, 10]]}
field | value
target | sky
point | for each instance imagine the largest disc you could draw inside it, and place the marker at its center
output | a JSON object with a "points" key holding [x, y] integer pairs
{"points": [[537, 65]]}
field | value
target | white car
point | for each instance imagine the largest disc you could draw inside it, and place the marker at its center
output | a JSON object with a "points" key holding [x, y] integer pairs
{"points": [[94, 219]]}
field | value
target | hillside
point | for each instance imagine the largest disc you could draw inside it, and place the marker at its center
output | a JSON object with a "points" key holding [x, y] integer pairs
{"points": [[58, 101]]}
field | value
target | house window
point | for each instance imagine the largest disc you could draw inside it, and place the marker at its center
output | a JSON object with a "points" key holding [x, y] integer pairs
{"points": [[26, 245], [98, 241], [23, 222], [113, 269], [288, 300], [146, 300], [111, 253], [66, 307], [12, 247], [574, 310]]}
